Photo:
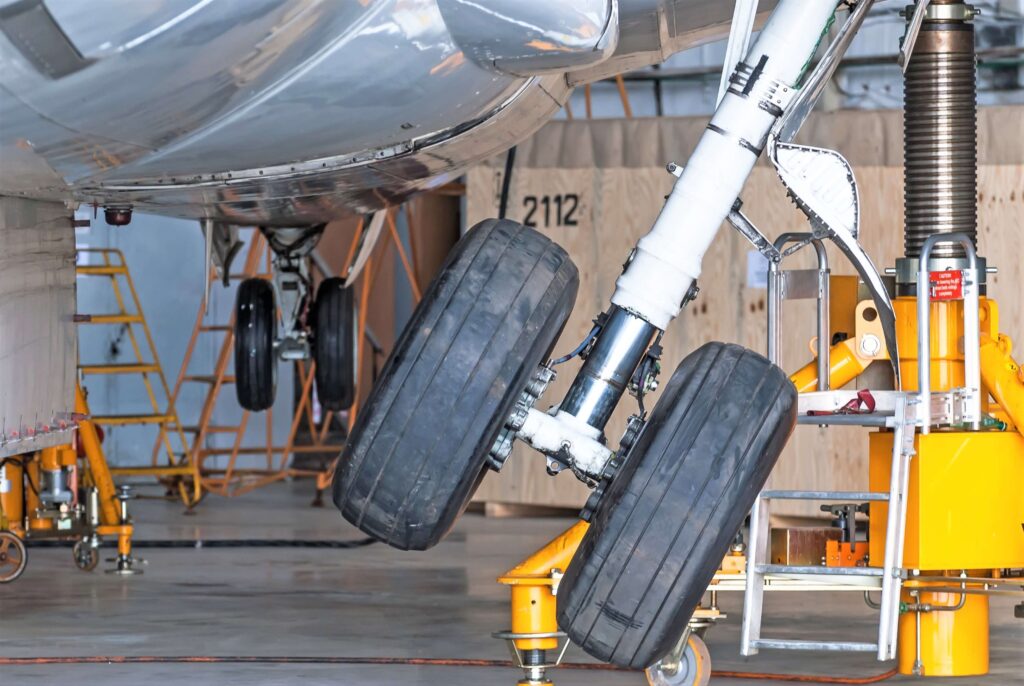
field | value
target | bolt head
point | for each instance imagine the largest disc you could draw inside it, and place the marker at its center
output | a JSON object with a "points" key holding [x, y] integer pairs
{"points": [[870, 345]]}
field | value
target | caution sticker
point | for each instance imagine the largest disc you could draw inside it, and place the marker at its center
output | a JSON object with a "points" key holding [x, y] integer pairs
{"points": [[947, 285]]}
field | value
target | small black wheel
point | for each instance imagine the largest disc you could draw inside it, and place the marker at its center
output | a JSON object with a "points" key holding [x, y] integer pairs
{"points": [[669, 515], [693, 667], [334, 344], [13, 557], [86, 557], [420, 445], [255, 330]]}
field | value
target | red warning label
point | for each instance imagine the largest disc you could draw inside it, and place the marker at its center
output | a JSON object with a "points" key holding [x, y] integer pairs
{"points": [[947, 285]]}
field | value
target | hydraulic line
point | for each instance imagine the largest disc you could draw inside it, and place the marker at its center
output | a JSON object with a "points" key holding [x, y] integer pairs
{"points": [[411, 662], [940, 131]]}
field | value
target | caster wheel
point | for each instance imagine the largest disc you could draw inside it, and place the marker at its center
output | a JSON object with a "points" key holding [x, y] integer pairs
{"points": [[334, 345], [86, 557], [667, 518], [255, 330], [13, 557], [420, 445], [693, 669]]}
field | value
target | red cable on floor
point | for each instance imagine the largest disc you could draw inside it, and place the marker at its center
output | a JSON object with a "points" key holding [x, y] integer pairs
{"points": [[410, 661]]}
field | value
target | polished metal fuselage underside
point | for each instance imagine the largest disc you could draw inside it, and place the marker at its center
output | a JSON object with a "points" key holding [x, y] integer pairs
{"points": [[293, 112]]}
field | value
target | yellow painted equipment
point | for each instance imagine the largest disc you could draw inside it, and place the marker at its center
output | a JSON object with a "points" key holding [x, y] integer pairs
{"points": [[533, 583], [966, 500], [91, 507]]}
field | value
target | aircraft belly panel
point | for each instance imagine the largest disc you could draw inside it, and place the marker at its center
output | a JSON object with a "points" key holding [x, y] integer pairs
{"points": [[277, 112]]}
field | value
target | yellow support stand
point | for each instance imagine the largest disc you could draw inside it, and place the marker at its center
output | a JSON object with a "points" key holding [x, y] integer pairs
{"points": [[95, 510]]}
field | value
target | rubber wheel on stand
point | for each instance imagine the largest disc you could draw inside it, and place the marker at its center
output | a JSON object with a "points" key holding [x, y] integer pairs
{"points": [[13, 557], [86, 557], [420, 445], [334, 344], [666, 520], [694, 668], [255, 330]]}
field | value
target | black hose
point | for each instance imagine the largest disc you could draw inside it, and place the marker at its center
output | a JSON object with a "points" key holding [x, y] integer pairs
{"points": [[199, 544], [506, 182]]}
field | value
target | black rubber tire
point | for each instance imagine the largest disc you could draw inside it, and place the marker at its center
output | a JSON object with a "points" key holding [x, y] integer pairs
{"points": [[668, 516], [334, 344], [255, 330], [420, 445]]}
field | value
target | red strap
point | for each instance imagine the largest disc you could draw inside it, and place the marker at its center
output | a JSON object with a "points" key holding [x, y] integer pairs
{"points": [[864, 403]]}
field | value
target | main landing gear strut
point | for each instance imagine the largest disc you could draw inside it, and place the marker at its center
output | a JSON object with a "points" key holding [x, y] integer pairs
{"points": [[278, 319]]}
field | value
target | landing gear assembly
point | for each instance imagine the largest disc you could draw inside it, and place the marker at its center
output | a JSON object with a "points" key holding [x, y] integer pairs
{"points": [[277, 319]]}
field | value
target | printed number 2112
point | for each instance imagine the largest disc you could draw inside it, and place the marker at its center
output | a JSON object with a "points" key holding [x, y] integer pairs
{"points": [[560, 208]]}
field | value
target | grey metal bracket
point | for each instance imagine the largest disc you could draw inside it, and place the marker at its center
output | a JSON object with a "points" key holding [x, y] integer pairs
{"points": [[913, 30], [822, 184], [741, 223]]}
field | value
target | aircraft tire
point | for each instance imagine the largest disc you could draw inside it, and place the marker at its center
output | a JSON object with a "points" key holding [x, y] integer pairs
{"points": [[255, 330], [334, 344], [664, 522], [420, 444]]}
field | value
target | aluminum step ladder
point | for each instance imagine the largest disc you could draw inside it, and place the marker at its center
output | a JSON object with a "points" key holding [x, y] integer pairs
{"points": [[888, 577], [894, 410]]}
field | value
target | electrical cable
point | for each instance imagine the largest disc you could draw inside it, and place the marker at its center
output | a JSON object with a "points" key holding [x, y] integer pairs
{"points": [[506, 182], [579, 348], [412, 662]]}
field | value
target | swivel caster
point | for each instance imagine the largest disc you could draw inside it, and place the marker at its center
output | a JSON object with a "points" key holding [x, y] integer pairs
{"points": [[85, 555], [689, 664]]}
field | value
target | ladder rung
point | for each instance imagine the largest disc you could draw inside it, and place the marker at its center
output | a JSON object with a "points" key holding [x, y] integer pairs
{"points": [[820, 571], [846, 496], [101, 270], [831, 646], [215, 327], [109, 319], [125, 419], [209, 378], [139, 368]]}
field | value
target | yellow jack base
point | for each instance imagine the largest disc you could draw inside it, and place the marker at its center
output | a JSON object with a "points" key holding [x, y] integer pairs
{"points": [[953, 642]]}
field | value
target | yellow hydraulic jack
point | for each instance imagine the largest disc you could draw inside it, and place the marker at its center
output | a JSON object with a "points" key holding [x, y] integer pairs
{"points": [[537, 645], [965, 499], [534, 584], [49, 495]]}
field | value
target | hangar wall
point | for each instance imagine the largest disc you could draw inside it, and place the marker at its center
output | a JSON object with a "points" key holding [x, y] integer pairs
{"points": [[596, 186]]}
